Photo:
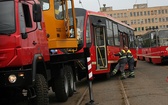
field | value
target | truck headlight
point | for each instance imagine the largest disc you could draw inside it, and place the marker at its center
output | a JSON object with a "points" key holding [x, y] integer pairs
{"points": [[12, 78]]}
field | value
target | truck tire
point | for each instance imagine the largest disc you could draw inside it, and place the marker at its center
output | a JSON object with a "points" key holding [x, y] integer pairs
{"points": [[41, 90], [70, 80], [61, 86]]}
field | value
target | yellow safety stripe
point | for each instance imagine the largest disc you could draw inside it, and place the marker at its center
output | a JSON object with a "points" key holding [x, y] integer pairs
{"points": [[122, 57], [130, 56]]}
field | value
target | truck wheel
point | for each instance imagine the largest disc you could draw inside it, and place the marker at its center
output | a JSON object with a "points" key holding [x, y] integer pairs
{"points": [[70, 80], [41, 91], [61, 86]]}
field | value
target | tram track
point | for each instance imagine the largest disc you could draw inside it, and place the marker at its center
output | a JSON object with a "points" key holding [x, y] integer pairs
{"points": [[121, 89], [123, 92], [82, 97]]}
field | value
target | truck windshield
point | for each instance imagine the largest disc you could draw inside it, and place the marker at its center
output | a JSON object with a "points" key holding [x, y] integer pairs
{"points": [[7, 20], [163, 37]]}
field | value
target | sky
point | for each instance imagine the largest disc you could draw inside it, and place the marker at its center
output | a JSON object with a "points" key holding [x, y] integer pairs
{"points": [[94, 5]]}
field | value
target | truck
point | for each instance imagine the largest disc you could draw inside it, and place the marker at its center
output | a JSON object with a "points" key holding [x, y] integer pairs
{"points": [[31, 32]]}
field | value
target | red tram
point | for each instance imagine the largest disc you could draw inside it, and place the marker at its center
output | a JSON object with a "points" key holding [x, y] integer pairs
{"points": [[104, 36], [154, 46]]}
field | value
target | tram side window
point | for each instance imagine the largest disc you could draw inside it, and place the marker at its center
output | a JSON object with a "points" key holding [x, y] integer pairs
{"points": [[163, 37], [116, 35], [132, 39], [153, 39], [99, 36], [109, 33], [147, 40]]}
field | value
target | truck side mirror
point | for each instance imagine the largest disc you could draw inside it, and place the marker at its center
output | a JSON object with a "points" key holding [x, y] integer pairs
{"points": [[37, 13]]}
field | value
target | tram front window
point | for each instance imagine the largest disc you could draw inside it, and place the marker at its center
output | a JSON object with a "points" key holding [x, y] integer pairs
{"points": [[163, 37]]}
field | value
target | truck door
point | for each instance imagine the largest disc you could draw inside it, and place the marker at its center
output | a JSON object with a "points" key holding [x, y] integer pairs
{"points": [[100, 45]]}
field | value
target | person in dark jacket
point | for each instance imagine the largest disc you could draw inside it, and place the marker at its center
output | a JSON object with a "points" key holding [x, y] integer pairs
{"points": [[121, 64], [130, 61]]}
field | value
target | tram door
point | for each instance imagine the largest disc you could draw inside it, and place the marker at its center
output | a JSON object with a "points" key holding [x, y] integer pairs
{"points": [[123, 40], [100, 44]]}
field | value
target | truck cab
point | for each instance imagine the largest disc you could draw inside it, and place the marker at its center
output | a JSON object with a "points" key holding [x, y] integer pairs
{"points": [[23, 46]]}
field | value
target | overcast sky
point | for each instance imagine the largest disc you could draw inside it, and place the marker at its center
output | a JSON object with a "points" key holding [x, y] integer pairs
{"points": [[93, 5]]}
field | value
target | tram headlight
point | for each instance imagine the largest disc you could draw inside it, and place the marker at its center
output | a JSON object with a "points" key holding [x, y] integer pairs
{"points": [[12, 78]]}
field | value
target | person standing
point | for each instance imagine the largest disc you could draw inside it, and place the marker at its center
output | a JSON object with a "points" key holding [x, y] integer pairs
{"points": [[130, 61], [121, 64]]}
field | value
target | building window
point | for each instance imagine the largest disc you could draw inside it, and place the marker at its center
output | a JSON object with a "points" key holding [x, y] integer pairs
{"points": [[139, 29], [130, 13], [114, 15], [138, 21], [162, 11], [146, 21], [160, 26], [118, 15], [152, 20], [166, 26], [137, 13], [159, 11], [156, 20], [152, 12], [160, 19], [111, 15], [124, 21], [134, 13], [155, 13], [166, 18], [146, 28], [141, 21], [148, 12], [165, 10], [135, 29], [132, 22], [144, 12], [121, 14], [142, 28], [125, 15], [141, 14]]}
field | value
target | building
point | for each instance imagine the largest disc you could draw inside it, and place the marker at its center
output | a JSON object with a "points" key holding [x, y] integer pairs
{"points": [[141, 17]]}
